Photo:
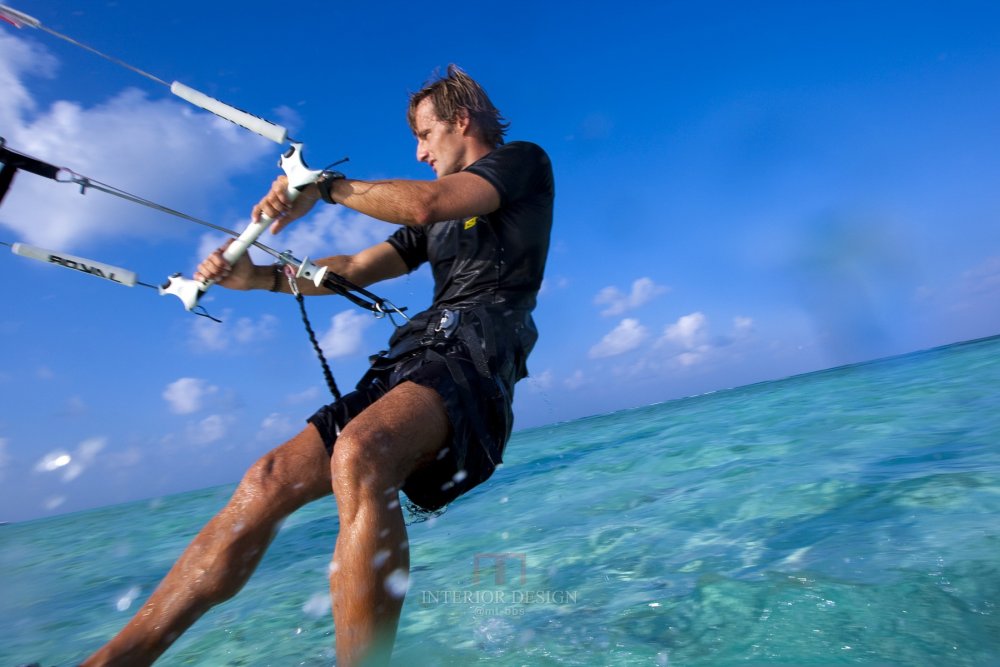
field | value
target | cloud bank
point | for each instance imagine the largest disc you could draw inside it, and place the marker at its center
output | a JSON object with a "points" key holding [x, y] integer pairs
{"points": [[158, 149]]}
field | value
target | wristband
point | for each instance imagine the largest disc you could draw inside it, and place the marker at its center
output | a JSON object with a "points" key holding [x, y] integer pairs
{"points": [[325, 182], [277, 272]]}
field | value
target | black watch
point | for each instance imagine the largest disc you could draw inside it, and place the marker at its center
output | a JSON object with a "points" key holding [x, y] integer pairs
{"points": [[326, 179]]}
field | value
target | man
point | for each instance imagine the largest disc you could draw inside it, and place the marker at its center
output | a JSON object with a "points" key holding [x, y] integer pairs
{"points": [[433, 414]]}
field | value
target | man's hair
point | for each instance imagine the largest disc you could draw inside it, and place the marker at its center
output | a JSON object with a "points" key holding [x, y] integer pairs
{"points": [[455, 92]]}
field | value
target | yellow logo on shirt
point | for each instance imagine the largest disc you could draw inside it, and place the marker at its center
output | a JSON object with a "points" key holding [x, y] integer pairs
{"points": [[471, 222]]}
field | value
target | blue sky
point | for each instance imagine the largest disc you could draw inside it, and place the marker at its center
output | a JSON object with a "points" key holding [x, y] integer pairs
{"points": [[745, 191]]}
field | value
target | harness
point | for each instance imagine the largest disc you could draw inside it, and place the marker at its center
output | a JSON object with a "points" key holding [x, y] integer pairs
{"points": [[452, 336]]}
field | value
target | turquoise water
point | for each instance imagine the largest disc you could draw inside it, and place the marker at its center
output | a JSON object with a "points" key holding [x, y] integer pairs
{"points": [[842, 517]]}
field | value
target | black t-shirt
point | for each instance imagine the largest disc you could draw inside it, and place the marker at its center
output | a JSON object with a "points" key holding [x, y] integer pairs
{"points": [[496, 258]]}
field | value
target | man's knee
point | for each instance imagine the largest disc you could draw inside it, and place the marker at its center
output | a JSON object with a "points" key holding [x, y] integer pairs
{"points": [[363, 463], [261, 478], [382, 446], [291, 474]]}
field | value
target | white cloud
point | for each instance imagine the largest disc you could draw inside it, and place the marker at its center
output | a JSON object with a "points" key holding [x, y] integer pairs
{"points": [[551, 284], [345, 334], [983, 279], [86, 453], [72, 465], [643, 291], [54, 460], [210, 429], [576, 380], [17, 58], [53, 502], [742, 326], [230, 333], [692, 357], [186, 395], [154, 148], [277, 426], [305, 396], [691, 335], [688, 332], [539, 382], [627, 336], [127, 458]]}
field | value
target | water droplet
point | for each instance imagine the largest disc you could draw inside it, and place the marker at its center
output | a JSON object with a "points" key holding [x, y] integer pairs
{"points": [[126, 600], [380, 558], [397, 583], [459, 476], [318, 605]]}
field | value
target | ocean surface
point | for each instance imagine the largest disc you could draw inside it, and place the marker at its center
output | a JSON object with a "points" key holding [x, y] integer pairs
{"points": [[850, 516]]}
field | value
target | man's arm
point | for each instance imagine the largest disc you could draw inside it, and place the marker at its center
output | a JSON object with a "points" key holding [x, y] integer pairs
{"points": [[402, 202], [458, 195], [371, 265]]}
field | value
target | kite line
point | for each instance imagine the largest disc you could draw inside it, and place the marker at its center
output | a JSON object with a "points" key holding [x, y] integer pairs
{"points": [[188, 290]]}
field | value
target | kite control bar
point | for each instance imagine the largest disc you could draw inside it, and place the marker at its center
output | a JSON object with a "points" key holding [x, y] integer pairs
{"points": [[189, 291]]}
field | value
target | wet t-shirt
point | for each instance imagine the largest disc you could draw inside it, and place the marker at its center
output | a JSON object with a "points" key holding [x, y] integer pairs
{"points": [[494, 258]]}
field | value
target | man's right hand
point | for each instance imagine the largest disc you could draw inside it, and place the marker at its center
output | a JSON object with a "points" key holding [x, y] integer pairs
{"points": [[239, 276], [277, 206]]}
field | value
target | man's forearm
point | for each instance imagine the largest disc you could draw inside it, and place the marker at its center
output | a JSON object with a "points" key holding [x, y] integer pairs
{"points": [[268, 277], [402, 202]]}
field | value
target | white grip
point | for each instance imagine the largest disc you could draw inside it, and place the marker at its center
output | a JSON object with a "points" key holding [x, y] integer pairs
{"points": [[299, 176], [264, 128], [189, 291], [106, 271]]}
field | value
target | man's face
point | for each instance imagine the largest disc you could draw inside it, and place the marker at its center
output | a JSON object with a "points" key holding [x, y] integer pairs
{"points": [[439, 144]]}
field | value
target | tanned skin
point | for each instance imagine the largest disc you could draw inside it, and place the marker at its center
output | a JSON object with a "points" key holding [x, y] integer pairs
{"points": [[373, 455]]}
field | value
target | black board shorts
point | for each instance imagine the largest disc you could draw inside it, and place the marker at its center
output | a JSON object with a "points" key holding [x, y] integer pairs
{"points": [[477, 396]]}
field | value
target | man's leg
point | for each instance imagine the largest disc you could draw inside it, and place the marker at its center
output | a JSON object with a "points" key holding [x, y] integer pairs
{"points": [[227, 550], [373, 456]]}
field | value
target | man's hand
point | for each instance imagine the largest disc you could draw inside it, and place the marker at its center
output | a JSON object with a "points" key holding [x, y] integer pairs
{"points": [[239, 276], [277, 206]]}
